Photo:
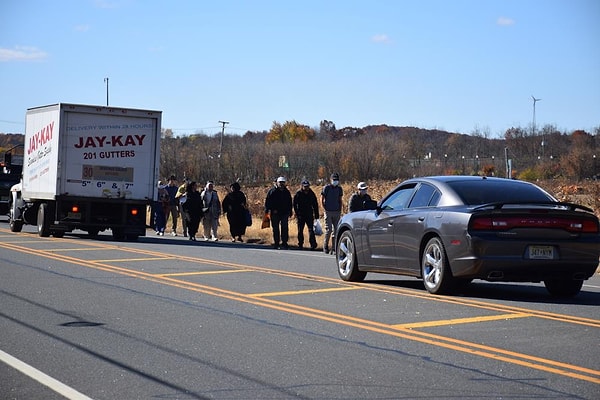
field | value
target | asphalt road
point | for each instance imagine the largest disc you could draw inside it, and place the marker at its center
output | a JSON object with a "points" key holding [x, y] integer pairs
{"points": [[165, 318]]}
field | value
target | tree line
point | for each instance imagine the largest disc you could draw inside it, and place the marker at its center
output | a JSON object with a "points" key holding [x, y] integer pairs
{"points": [[378, 152], [375, 152]]}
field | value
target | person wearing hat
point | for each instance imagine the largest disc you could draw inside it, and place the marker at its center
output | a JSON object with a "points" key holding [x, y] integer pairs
{"points": [[306, 209], [358, 198], [331, 200], [278, 205]]}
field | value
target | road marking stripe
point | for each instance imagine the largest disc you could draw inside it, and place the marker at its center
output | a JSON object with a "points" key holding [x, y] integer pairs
{"points": [[307, 291], [229, 271], [456, 321], [42, 378], [132, 259]]}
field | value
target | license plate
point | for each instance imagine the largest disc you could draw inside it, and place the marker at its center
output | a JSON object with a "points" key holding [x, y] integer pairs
{"points": [[541, 252]]}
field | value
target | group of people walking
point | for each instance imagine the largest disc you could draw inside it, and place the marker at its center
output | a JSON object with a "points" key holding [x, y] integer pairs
{"points": [[204, 207], [280, 204], [196, 207]]}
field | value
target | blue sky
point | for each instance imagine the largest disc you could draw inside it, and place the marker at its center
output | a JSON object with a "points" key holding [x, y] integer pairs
{"points": [[458, 65]]}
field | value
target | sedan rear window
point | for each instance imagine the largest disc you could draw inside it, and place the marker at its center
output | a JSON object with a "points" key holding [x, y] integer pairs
{"points": [[487, 191]]}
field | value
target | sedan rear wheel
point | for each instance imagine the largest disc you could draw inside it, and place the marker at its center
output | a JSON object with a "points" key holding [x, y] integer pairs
{"points": [[346, 259], [435, 270], [563, 287]]}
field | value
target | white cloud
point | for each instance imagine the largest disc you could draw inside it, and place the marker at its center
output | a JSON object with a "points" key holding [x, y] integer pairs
{"points": [[504, 21], [22, 53], [381, 38]]}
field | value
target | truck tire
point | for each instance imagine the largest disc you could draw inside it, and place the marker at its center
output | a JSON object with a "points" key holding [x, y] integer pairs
{"points": [[15, 226], [43, 220], [118, 234]]}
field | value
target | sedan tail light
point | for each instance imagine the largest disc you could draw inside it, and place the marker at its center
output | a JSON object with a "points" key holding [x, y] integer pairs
{"points": [[503, 223]]}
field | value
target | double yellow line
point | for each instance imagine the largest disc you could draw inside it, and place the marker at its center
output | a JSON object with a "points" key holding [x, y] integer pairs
{"points": [[403, 331]]}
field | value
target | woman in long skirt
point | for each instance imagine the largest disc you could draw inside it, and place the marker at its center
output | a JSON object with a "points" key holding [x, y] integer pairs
{"points": [[234, 206]]}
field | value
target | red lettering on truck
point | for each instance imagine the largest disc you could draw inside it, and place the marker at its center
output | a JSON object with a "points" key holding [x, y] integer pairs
{"points": [[113, 141], [40, 138]]}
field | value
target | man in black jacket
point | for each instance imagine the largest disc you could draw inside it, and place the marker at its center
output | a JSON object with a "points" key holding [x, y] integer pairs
{"points": [[279, 206], [306, 209]]}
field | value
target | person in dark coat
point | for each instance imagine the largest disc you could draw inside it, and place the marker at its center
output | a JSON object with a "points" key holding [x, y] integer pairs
{"points": [[306, 209], [234, 206], [192, 209], [358, 198], [278, 205]]}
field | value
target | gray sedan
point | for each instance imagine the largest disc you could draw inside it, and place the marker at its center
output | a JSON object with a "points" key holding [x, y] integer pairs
{"points": [[449, 230]]}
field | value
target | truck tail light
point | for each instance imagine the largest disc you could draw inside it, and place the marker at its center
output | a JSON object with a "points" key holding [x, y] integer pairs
{"points": [[134, 212], [75, 208]]}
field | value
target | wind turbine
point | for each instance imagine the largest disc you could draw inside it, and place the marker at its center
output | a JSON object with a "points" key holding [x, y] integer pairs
{"points": [[534, 101]]}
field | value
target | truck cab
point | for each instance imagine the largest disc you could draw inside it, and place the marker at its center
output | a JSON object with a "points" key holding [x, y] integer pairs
{"points": [[11, 167]]}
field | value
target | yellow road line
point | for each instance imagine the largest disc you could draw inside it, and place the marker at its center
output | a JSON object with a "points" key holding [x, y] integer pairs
{"points": [[131, 259], [229, 271], [307, 291], [456, 321], [375, 288], [508, 356]]}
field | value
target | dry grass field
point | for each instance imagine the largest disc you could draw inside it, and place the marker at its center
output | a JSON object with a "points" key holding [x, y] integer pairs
{"points": [[585, 193]]}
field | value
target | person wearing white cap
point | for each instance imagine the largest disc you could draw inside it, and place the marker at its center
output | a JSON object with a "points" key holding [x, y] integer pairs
{"points": [[278, 205], [358, 198]]}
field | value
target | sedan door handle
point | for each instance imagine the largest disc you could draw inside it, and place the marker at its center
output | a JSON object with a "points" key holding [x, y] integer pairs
{"points": [[421, 219]]}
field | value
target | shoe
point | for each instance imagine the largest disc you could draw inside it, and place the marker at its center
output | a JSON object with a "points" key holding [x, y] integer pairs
{"points": [[285, 246], [184, 234], [325, 250], [275, 246], [300, 247], [214, 239], [191, 238], [162, 234], [233, 240], [158, 232], [205, 239], [173, 233], [313, 248], [240, 239]]}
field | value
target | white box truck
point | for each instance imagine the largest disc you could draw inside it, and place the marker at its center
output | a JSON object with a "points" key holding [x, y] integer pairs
{"points": [[86, 167]]}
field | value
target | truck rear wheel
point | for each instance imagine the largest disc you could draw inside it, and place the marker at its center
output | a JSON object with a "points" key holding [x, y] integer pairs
{"points": [[43, 220]]}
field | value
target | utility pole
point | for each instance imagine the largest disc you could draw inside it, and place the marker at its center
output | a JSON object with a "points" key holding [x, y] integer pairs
{"points": [[222, 133], [106, 81], [223, 123]]}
